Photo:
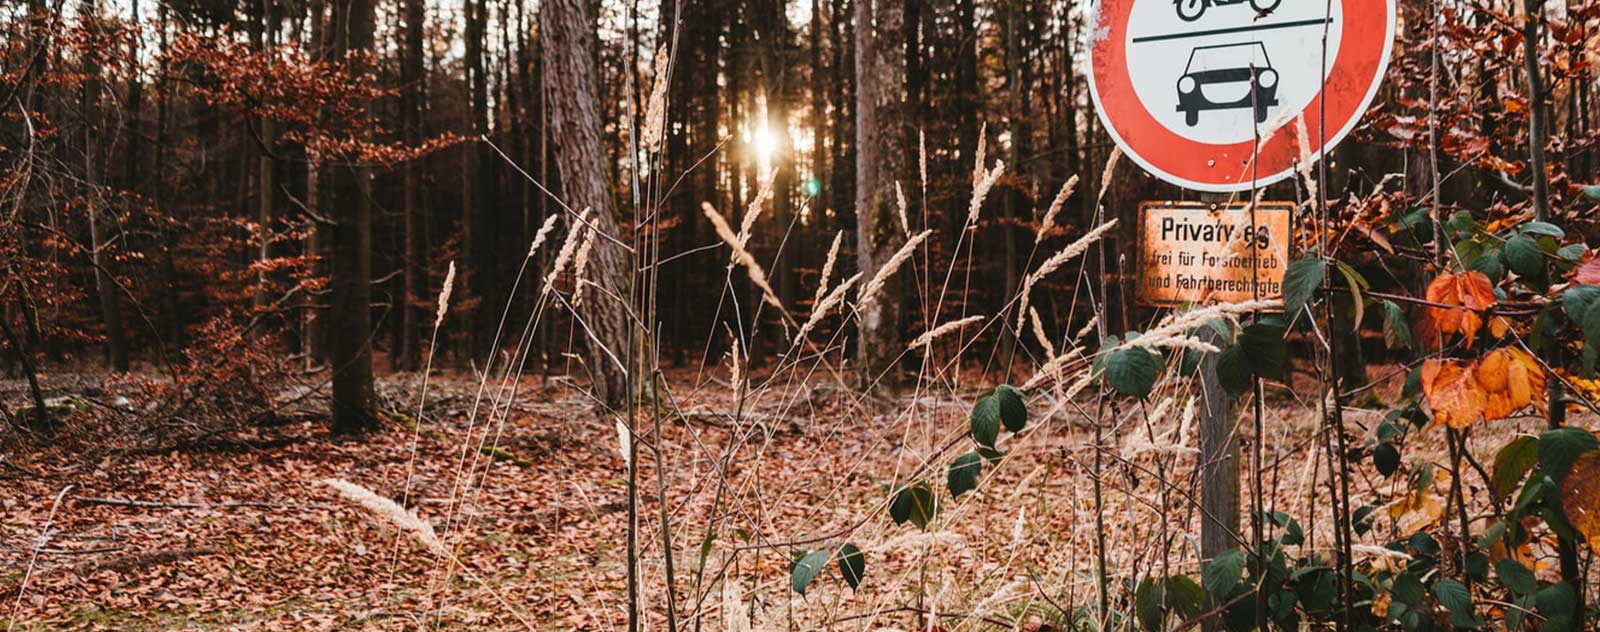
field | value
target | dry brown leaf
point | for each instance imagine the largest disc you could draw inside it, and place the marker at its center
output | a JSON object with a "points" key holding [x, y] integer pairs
{"points": [[1470, 290], [1588, 273], [1580, 497], [1423, 508]]}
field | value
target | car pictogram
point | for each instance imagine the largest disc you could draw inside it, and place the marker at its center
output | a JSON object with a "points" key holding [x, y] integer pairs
{"points": [[1227, 77]]}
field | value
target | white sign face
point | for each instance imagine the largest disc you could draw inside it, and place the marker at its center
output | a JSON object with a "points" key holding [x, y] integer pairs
{"points": [[1212, 49], [1188, 87]]}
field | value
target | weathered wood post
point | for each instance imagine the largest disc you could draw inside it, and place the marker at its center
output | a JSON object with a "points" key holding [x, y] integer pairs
{"points": [[1219, 448], [1219, 457]]}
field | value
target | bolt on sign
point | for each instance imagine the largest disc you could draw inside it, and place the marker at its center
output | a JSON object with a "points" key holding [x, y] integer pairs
{"points": [[1229, 95], [1211, 253]]}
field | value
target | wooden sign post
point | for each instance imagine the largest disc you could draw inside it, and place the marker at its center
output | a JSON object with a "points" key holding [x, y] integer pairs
{"points": [[1199, 253]]}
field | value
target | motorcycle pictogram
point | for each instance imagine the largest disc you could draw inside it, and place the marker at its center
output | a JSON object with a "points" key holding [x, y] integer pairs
{"points": [[1191, 10]]}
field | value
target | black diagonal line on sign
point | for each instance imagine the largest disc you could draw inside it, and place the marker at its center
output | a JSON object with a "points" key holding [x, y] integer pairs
{"points": [[1236, 29]]}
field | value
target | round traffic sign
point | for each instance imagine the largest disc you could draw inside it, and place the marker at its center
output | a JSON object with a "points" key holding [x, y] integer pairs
{"points": [[1226, 95]]}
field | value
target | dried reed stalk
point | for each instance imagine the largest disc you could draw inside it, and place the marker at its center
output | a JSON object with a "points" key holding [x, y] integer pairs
{"points": [[392, 514], [1056, 205], [891, 266], [741, 256], [927, 338]]}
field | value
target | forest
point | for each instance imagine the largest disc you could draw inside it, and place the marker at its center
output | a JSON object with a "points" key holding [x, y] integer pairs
{"points": [[800, 315]]}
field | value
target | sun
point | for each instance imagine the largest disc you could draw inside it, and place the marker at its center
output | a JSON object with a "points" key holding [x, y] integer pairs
{"points": [[764, 144]]}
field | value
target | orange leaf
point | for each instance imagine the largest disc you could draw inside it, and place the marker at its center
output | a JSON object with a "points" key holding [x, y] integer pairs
{"points": [[1469, 290], [1510, 379], [1453, 393], [1493, 387], [1580, 497]]}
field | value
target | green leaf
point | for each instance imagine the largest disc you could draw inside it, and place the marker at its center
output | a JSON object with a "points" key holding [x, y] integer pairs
{"points": [[1147, 600], [1407, 589], [1388, 431], [1186, 596], [1362, 519], [1556, 602], [1317, 590], [1592, 191], [1423, 544], [1590, 325], [1232, 371], [917, 503], [1455, 598], [852, 565], [986, 420], [1577, 299], [1462, 222], [1542, 228], [1514, 616], [1492, 535], [1013, 408], [1413, 385], [1489, 264], [1132, 371], [806, 568], [1386, 458], [964, 472], [1523, 255], [1515, 576], [1418, 222], [1356, 283], [1293, 535], [1222, 574], [1560, 447], [1300, 282], [1264, 349], [1512, 462], [1396, 330], [1572, 252]]}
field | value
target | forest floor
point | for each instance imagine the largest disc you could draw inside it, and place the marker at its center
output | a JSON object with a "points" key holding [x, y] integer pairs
{"points": [[240, 534]]}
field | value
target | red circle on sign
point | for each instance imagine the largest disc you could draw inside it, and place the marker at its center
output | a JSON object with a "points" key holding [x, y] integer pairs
{"points": [[1353, 77]]}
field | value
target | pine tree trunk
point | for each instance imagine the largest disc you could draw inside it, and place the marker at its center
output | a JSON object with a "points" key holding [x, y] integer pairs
{"points": [[880, 163], [350, 283], [412, 315], [571, 79]]}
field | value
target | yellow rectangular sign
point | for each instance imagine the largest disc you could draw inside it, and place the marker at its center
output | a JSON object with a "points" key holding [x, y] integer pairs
{"points": [[1191, 252]]}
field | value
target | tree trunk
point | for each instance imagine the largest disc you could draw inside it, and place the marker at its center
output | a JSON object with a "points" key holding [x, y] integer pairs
{"points": [[570, 77], [880, 163], [262, 34], [105, 285], [350, 282], [412, 315]]}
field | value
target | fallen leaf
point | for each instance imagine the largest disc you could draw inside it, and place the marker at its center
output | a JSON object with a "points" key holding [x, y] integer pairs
{"points": [[1588, 273]]}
